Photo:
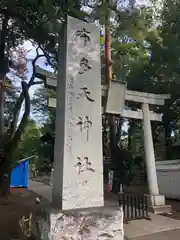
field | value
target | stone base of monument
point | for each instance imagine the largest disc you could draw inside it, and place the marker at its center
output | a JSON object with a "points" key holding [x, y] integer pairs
{"points": [[92, 224], [157, 205]]}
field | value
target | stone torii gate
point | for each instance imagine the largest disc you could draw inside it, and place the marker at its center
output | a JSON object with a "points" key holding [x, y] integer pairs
{"points": [[155, 200], [117, 90], [71, 95]]}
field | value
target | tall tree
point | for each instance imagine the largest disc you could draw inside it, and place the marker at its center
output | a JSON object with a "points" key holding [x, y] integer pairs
{"points": [[29, 143], [23, 20]]}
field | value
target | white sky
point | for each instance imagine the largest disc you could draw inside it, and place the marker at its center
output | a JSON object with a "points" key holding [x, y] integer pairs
{"points": [[40, 62]]}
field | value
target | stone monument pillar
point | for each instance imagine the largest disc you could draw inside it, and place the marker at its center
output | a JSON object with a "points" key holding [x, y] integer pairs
{"points": [[78, 169], [78, 200]]}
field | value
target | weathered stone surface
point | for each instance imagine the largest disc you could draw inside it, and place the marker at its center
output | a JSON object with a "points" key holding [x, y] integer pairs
{"points": [[93, 224], [78, 164]]}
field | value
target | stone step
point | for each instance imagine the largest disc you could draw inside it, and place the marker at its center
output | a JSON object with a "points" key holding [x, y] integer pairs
{"points": [[160, 209]]}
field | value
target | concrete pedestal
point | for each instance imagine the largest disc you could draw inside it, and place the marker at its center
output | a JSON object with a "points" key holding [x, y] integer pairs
{"points": [[95, 223], [157, 205]]}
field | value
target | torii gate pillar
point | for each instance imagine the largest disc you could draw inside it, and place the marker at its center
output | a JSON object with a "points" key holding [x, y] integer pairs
{"points": [[149, 152], [156, 202]]}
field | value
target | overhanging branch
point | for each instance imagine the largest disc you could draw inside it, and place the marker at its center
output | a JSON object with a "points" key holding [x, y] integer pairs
{"points": [[20, 100], [11, 144], [25, 117]]}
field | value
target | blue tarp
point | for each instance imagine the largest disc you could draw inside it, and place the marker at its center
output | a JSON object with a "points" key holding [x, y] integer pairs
{"points": [[19, 175]]}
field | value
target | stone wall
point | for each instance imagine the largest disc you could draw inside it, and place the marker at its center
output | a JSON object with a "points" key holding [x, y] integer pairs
{"points": [[168, 175]]}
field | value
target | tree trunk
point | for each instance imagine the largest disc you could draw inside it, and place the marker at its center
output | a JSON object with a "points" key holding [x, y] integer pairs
{"points": [[168, 142], [7, 147], [113, 131], [130, 131], [4, 164], [20, 100], [118, 132], [5, 177], [167, 131], [11, 144], [1, 111], [3, 70]]}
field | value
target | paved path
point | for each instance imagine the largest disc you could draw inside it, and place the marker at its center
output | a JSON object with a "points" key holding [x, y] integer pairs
{"points": [[160, 227], [41, 189], [46, 192], [142, 227], [165, 235]]}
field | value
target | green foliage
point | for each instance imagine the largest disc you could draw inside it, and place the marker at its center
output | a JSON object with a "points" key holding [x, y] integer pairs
{"points": [[144, 53], [38, 21], [30, 142], [40, 104], [130, 53], [47, 117]]}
